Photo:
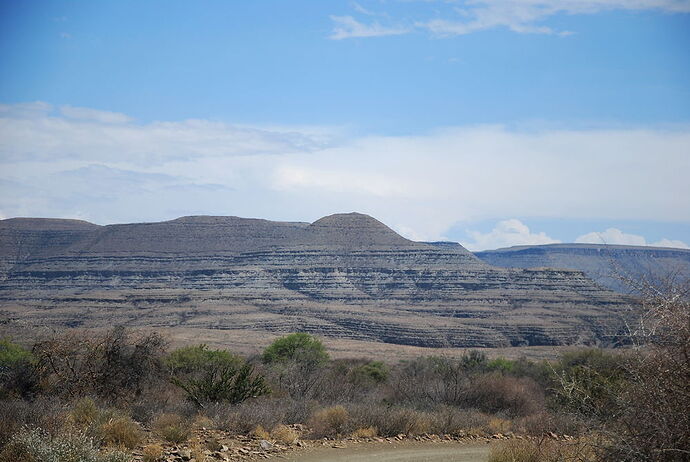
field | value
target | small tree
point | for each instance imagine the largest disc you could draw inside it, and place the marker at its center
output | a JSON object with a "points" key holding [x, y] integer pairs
{"points": [[299, 361], [116, 363], [214, 376], [639, 402], [17, 371], [296, 347]]}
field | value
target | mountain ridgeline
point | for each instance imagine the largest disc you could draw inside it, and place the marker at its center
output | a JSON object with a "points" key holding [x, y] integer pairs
{"points": [[345, 276], [621, 268]]}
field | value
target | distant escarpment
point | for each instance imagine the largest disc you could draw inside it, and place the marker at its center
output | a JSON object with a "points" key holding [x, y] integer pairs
{"points": [[618, 267], [344, 276]]}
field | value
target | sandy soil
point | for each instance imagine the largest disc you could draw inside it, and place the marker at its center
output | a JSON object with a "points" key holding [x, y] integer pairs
{"points": [[399, 452]]}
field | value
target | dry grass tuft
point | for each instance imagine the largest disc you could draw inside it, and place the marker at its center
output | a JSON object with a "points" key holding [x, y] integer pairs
{"points": [[121, 432], [153, 453], [498, 425], [365, 432], [542, 451], [284, 434], [260, 433], [172, 428], [330, 422]]}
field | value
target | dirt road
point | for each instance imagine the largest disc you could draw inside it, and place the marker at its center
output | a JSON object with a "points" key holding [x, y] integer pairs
{"points": [[403, 452]]}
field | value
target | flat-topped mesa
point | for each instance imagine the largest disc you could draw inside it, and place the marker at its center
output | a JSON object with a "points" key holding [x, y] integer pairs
{"points": [[192, 235], [46, 224], [22, 238], [609, 265], [345, 275]]}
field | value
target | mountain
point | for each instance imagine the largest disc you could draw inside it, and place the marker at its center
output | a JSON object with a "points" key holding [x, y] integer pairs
{"points": [[345, 276], [608, 265]]}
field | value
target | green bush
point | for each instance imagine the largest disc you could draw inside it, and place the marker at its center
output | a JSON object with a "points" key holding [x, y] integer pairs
{"points": [[35, 445], [296, 347], [372, 372], [214, 376], [18, 377], [192, 359], [589, 382]]}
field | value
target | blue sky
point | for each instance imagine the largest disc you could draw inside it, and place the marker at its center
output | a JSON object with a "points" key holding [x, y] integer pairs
{"points": [[490, 122]]}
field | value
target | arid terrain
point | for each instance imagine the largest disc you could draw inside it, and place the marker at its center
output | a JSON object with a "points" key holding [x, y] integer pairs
{"points": [[241, 282]]}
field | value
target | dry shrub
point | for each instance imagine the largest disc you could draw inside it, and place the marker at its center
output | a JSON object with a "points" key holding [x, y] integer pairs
{"points": [[46, 413], [114, 364], [196, 450], [202, 422], [544, 423], [260, 433], [153, 453], [391, 421], [284, 434], [36, 445], [172, 428], [122, 432], [84, 412], [543, 450], [498, 425], [245, 417], [514, 396], [460, 422], [365, 432], [108, 426], [329, 422]]}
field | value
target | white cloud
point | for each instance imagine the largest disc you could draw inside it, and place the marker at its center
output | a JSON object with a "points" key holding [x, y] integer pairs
{"points": [[84, 113], [615, 236], [452, 17], [31, 132], [340, 181], [507, 233], [670, 243], [611, 236], [360, 9], [349, 27], [51, 165]]}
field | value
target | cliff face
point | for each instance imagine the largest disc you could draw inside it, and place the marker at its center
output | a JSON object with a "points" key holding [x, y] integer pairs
{"points": [[346, 276], [608, 265]]}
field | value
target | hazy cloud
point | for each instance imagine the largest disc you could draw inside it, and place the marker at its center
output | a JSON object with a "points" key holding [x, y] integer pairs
{"points": [[32, 132], [84, 113], [615, 236], [459, 17], [349, 27], [52, 165], [507, 233]]}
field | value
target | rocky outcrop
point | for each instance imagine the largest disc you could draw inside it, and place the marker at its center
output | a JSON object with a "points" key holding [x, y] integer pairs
{"points": [[345, 276], [612, 266]]}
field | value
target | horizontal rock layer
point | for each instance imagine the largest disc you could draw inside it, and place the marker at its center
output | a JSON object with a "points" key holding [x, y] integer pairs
{"points": [[618, 267], [344, 276]]}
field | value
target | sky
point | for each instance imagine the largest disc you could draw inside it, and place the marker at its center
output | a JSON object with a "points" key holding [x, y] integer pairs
{"points": [[487, 122]]}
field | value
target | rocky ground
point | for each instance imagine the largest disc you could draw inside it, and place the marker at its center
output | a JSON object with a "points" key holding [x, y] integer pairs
{"points": [[214, 445]]}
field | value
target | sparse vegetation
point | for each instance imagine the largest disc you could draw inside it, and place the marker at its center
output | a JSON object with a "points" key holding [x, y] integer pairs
{"points": [[172, 428], [612, 406]]}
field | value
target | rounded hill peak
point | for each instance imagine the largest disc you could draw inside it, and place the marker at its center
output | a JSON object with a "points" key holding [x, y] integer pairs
{"points": [[354, 230], [348, 219]]}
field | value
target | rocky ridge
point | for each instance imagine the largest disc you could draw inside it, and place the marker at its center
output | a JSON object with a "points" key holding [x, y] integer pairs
{"points": [[612, 266], [343, 276]]}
